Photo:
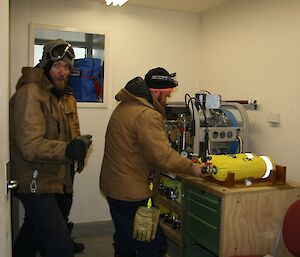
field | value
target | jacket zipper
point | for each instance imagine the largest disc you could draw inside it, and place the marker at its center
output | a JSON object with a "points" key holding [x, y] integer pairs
{"points": [[33, 185]]}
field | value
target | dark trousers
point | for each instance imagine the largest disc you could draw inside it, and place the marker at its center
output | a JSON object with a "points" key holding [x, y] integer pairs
{"points": [[122, 213], [44, 226]]}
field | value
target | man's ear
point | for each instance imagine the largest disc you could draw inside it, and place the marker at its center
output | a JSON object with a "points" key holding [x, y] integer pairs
{"points": [[155, 94]]}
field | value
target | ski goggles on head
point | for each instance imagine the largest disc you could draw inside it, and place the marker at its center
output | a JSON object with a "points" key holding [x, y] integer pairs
{"points": [[60, 51]]}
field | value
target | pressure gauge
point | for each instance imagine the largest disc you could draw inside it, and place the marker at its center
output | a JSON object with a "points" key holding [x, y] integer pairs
{"points": [[184, 153]]}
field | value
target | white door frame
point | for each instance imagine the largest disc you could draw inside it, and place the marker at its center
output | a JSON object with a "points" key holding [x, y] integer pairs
{"points": [[5, 220]]}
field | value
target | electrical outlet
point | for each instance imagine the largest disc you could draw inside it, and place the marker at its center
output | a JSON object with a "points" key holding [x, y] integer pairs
{"points": [[273, 118]]}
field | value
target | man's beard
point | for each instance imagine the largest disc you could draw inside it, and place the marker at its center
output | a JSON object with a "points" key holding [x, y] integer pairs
{"points": [[58, 91], [161, 100]]}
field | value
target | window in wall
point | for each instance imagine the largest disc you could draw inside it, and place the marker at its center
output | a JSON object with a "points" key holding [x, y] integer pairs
{"points": [[87, 77]]}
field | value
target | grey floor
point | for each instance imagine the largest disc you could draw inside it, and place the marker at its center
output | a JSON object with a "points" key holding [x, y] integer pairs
{"points": [[97, 238], [96, 246]]}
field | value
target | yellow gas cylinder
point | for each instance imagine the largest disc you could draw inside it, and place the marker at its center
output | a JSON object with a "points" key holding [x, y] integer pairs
{"points": [[242, 166]]}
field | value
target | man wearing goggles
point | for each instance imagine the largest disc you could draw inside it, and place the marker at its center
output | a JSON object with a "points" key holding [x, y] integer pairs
{"points": [[45, 143]]}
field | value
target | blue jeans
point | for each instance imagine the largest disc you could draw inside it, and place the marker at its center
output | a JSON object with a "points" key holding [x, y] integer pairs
{"points": [[122, 213], [44, 226]]}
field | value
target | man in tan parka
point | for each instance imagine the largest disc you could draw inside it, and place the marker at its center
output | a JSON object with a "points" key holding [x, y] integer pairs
{"points": [[136, 143], [44, 142]]}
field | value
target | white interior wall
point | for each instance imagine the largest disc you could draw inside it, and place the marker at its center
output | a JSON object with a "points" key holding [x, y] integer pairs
{"points": [[139, 39], [5, 211], [250, 49]]}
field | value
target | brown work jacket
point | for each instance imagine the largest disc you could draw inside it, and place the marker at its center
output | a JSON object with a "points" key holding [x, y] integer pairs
{"points": [[135, 143], [40, 127]]}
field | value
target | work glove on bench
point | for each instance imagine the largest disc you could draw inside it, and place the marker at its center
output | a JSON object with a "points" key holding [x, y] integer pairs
{"points": [[145, 223], [77, 148]]}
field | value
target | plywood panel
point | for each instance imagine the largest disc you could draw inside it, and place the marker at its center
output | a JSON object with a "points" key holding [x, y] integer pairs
{"points": [[251, 221]]}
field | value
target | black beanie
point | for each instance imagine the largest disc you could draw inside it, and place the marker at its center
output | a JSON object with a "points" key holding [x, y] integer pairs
{"points": [[159, 78]]}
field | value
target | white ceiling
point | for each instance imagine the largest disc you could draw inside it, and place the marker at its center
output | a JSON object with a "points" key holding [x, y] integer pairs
{"points": [[191, 6]]}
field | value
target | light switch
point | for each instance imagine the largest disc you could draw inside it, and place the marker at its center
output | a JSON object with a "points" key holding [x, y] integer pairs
{"points": [[273, 118]]}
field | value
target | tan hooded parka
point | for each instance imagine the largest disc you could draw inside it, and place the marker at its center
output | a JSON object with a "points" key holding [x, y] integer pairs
{"points": [[40, 128], [135, 143]]}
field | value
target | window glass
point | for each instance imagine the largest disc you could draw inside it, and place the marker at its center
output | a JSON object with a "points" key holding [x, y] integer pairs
{"points": [[87, 77]]}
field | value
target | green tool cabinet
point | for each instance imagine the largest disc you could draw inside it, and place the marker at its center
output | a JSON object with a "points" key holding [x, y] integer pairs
{"points": [[222, 222], [202, 213]]}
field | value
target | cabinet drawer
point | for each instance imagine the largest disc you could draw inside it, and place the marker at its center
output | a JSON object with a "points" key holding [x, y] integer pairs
{"points": [[203, 215], [202, 196], [204, 212], [204, 233]]}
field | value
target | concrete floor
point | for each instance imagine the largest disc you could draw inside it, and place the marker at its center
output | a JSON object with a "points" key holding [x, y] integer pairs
{"points": [[101, 246], [96, 246], [97, 238]]}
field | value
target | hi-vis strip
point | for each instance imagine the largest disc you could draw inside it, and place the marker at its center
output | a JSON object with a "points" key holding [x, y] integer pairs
{"points": [[149, 203], [269, 166], [249, 155]]}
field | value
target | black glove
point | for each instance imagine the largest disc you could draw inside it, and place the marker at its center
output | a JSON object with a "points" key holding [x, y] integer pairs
{"points": [[77, 148]]}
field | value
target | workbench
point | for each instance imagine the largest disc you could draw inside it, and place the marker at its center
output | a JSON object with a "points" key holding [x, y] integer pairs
{"points": [[223, 222]]}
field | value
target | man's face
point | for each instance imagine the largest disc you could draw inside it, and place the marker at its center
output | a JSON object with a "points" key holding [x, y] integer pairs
{"points": [[59, 74], [162, 98]]}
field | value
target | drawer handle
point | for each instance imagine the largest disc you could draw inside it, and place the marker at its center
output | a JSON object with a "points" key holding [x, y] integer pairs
{"points": [[204, 206], [215, 202]]}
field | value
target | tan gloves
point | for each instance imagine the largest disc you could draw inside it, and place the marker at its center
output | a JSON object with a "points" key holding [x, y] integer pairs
{"points": [[145, 223]]}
